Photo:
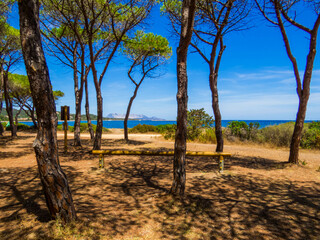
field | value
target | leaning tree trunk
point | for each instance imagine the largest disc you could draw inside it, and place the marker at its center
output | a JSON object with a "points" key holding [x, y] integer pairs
{"points": [[125, 123], [88, 112], [9, 106], [297, 133], [179, 171], [303, 101], [54, 181]]}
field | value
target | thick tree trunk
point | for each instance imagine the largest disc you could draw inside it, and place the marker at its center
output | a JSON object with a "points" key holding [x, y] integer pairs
{"points": [[88, 111], [179, 171], [54, 181], [1, 98], [125, 123], [9, 106], [213, 80]]}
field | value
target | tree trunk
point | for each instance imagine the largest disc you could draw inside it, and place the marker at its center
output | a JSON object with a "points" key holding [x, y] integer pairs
{"points": [[88, 112], [98, 133], [297, 133], [213, 80], [1, 98], [54, 181], [125, 123], [9, 106], [33, 118], [179, 171], [77, 120]]}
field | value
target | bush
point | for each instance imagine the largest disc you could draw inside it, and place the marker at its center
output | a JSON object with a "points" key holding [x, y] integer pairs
{"points": [[197, 120], [21, 127], [208, 136], [83, 128], [279, 135], [242, 130], [144, 128], [168, 131], [311, 136]]}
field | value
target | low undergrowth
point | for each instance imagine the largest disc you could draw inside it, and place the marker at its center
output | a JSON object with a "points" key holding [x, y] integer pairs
{"points": [[83, 128], [239, 131]]}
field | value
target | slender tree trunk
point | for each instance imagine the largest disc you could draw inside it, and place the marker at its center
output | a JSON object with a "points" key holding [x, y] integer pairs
{"points": [[9, 106], [16, 117], [33, 118], [213, 80], [77, 120], [179, 171], [303, 99], [98, 133], [125, 123], [54, 181], [297, 133], [88, 112]]}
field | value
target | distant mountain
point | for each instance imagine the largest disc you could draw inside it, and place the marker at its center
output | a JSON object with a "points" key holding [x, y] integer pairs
{"points": [[133, 116]]}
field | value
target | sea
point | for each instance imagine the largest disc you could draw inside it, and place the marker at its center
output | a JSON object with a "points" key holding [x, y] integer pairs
{"points": [[132, 123]]}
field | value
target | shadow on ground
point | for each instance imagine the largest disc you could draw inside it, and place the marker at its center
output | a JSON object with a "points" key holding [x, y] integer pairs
{"points": [[130, 198]]}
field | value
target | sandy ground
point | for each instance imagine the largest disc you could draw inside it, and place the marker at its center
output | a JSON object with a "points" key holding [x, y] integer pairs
{"points": [[259, 196]]}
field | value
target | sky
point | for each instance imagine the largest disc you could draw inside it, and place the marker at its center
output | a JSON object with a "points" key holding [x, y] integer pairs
{"points": [[256, 80]]}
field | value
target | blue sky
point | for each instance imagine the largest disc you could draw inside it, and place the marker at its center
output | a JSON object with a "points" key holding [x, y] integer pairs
{"points": [[256, 80]]}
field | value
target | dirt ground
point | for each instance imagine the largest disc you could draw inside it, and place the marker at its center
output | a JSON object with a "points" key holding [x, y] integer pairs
{"points": [[259, 195]]}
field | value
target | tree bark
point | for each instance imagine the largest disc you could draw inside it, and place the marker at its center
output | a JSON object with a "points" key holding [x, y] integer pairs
{"points": [[88, 112], [179, 171], [125, 123], [54, 181], [213, 82], [304, 97], [213, 79], [77, 120], [303, 89], [98, 133], [9, 105], [1, 98]]}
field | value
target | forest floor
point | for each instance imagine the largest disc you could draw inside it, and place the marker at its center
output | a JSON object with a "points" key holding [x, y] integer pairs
{"points": [[258, 196]]}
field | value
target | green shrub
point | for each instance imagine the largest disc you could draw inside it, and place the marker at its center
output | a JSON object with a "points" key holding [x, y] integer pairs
{"points": [[83, 128], [311, 136], [165, 128], [169, 131], [4, 124], [60, 128], [278, 135], [242, 130], [20, 127], [208, 136], [197, 120], [144, 128]]}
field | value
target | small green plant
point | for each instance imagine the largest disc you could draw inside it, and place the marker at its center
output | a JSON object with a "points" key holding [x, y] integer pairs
{"points": [[304, 163], [197, 120]]}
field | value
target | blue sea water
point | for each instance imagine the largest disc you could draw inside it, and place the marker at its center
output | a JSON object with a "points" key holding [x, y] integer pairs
{"points": [[132, 123]]}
